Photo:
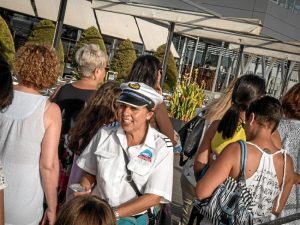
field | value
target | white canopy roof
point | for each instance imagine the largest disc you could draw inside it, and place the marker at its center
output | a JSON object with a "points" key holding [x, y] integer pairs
{"points": [[194, 20], [154, 36], [23, 6], [78, 13], [118, 25], [179, 12]]}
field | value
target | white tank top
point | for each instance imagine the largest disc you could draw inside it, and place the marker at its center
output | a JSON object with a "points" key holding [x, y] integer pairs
{"points": [[22, 130], [264, 186]]}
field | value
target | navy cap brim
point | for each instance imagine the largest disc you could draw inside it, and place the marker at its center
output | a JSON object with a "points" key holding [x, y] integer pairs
{"points": [[130, 100]]}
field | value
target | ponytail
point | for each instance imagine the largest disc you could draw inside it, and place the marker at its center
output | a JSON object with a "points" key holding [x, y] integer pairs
{"points": [[230, 120]]}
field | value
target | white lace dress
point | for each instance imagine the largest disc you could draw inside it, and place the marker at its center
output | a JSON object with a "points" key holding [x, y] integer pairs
{"points": [[289, 132]]}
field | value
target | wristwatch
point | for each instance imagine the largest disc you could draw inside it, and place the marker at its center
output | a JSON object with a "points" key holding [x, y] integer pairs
{"points": [[117, 215]]}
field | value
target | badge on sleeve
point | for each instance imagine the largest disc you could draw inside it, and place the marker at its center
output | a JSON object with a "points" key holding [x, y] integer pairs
{"points": [[146, 155]]}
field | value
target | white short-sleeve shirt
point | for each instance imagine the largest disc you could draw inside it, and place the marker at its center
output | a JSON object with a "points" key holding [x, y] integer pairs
{"points": [[151, 165]]}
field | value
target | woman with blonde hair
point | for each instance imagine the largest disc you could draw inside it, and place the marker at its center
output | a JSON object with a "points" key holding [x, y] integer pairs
{"points": [[230, 128], [213, 111], [30, 129], [92, 65]]}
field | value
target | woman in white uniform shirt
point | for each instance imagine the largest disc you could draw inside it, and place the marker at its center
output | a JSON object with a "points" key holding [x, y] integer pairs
{"points": [[149, 154]]}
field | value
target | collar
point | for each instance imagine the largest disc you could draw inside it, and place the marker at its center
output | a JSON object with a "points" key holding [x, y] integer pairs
{"points": [[149, 140]]}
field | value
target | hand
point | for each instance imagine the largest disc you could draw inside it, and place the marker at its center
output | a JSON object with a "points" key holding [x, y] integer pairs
{"points": [[82, 193], [49, 218]]}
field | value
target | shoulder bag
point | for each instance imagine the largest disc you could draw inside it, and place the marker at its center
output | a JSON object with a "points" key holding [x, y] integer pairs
{"points": [[190, 135], [231, 203]]}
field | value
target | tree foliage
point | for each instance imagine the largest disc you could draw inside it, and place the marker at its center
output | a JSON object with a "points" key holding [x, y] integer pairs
{"points": [[172, 73], [43, 33], [123, 59], [91, 36], [7, 47]]}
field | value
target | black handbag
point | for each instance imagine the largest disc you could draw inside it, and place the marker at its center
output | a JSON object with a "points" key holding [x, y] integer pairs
{"points": [[190, 135], [231, 203]]}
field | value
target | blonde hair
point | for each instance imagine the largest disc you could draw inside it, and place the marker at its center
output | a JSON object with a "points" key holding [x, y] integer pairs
{"points": [[89, 57], [216, 109]]}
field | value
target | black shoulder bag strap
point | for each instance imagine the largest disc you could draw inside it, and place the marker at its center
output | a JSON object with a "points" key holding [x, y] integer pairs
{"points": [[133, 185]]}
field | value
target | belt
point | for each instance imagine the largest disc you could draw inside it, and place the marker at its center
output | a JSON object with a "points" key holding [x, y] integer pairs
{"points": [[137, 216]]}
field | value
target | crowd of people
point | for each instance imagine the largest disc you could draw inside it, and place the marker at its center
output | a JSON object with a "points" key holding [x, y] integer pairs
{"points": [[100, 152]]}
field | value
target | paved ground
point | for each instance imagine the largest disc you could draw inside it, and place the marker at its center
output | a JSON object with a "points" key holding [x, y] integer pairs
{"points": [[177, 199]]}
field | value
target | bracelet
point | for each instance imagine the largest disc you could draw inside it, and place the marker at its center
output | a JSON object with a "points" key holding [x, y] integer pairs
{"points": [[117, 215]]}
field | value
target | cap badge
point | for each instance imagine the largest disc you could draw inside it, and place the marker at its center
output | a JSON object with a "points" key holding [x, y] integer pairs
{"points": [[135, 86]]}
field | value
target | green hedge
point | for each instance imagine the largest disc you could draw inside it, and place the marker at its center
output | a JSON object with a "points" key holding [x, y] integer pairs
{"points": [[172, 73], [91, 36], [123, 59], [43, 33], [7, 47]]}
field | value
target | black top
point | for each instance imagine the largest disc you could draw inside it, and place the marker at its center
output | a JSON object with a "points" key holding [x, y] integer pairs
{"points": [[70, 101]]}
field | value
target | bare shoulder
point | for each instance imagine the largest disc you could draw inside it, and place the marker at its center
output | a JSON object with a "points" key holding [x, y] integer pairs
{"points": [[215, 123], [232, 149], [212, 129]]}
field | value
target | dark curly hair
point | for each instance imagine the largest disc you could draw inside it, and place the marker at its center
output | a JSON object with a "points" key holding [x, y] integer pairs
{"points": [[100, 110], [6, 85], [291, 102], [37, 66]]}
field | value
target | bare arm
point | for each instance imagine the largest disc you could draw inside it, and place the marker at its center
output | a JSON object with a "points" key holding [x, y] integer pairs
{"points": [[218, 171], [203, 153], [287, 186], [49, 164], [138, 205], [164, 123]]}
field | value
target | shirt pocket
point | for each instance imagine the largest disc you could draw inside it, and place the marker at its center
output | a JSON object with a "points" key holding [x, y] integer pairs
{"points": [[106, 163], [140, 169]]}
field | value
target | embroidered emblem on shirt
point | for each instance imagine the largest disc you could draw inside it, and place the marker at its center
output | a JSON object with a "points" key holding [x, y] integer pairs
{"points": [[146, 155]]}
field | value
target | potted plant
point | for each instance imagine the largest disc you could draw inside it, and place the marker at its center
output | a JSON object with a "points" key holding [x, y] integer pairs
{"points": [[187, 97]]}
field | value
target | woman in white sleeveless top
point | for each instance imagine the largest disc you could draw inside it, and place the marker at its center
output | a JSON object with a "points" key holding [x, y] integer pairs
{"points": [[269, 171], [30, 129], [6, 96]]}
